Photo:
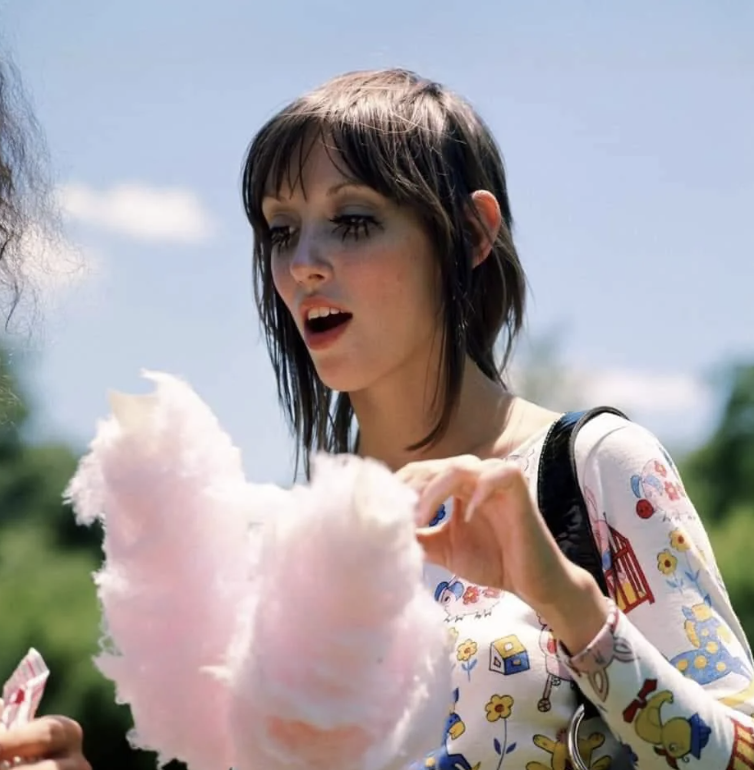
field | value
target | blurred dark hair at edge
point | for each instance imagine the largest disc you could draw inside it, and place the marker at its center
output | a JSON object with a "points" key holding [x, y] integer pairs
{"points": [[30, 228], [29, 222]]}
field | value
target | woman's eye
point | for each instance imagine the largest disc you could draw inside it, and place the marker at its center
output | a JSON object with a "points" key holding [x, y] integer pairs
{"points": [[280, 237], [354, 226]]}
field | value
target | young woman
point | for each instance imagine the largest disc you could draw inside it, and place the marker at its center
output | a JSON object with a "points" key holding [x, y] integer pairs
{"points": [[387, 280], [54, 742]]}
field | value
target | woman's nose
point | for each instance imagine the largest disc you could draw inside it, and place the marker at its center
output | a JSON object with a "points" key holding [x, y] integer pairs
{"points": [[309, 264]]}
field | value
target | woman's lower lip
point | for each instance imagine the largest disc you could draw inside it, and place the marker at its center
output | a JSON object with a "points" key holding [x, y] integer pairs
{"points": [[321, 340]]}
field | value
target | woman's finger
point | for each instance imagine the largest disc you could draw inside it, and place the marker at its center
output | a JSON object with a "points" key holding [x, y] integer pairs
{"points": [[73, 762], [495, 478], [436, 491], [433, 541], [416, 475], [44, 737], [457, 480]]}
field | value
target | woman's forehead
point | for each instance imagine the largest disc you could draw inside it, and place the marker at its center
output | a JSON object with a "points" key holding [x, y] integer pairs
{"points": [[309, 170]]}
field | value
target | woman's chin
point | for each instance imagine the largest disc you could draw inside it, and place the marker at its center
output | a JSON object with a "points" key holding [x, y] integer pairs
{"points": [[340, 376]]}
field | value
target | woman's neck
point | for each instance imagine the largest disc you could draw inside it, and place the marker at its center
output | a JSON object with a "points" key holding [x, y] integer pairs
{"points": [[395, 415]]}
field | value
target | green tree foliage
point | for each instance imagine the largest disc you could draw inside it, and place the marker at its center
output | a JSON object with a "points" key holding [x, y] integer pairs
{"points": [[720, 474], [719, 477], [732, 540]]}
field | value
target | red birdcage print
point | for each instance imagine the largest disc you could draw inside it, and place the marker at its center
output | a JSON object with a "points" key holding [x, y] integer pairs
{"points": [[742, 756], [625, 578]]}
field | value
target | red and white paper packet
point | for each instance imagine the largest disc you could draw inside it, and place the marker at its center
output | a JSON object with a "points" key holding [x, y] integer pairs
{"points": [[23, 691]]}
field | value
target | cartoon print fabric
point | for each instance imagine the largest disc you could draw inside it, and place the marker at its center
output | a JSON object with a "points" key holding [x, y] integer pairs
{"points": [[671, 672]]}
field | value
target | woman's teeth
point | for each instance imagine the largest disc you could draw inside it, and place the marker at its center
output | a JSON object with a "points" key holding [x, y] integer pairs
{"points": [[322, 312], [322, 319]]}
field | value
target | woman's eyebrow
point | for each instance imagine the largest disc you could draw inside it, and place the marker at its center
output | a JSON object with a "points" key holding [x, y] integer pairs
{"points": [[330, 193], [344, 185]]}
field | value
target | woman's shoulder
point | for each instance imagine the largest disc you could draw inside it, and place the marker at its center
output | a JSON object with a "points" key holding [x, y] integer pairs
{"points": [[623, 467], [609, 446], [612, 440]]}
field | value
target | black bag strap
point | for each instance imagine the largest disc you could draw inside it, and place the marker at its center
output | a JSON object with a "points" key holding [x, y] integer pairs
{"points": [[562, 503]]}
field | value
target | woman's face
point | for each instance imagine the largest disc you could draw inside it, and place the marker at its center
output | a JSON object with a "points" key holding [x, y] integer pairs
{"points": [[358, 275]]}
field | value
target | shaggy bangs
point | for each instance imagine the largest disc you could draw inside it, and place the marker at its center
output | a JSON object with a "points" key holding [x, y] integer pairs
{"points": [[418, 145], [400, 156]]}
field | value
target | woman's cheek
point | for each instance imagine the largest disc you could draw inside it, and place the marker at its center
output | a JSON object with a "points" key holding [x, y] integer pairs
{"points": [[282, 280]]}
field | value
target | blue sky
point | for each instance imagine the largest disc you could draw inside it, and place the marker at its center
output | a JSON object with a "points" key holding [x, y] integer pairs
{"points": [[627, 133]]}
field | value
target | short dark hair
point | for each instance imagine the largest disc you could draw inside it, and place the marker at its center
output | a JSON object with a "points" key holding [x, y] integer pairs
{"points": [[419, 145]]}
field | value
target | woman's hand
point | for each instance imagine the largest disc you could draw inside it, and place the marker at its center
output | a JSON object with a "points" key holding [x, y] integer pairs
{"points": [[48, 743], [496, 537]]}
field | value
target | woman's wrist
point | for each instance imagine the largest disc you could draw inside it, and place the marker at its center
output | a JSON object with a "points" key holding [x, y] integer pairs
{"points": [[577, 611]]}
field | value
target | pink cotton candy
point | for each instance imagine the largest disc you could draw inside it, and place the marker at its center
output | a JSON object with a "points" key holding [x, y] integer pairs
{"points": [[166, 480], [254, 627], [347, 665]]}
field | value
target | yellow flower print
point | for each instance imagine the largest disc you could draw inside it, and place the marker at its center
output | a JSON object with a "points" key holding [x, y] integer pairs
{"points": [[666, 562], [679, 541], [499, 707], [466, 650]]}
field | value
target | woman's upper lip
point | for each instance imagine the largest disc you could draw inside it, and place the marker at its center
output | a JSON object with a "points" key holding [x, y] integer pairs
{"points": [[311, 302]]}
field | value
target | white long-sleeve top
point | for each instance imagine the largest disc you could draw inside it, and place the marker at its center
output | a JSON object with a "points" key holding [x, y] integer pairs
{"points": [[671, 672]]}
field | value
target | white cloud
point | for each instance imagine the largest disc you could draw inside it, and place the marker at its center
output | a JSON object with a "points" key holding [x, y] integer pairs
{"points": [[648, 392], [168, 214], [561, 387], [680, 408]]}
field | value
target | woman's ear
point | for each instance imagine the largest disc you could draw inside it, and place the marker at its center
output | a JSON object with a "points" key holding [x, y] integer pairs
{"points": [[485, 220]]}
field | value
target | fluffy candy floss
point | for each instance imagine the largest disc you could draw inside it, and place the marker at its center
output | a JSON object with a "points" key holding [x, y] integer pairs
{"points": [[167, 484], [253, 627], [348, 663]]}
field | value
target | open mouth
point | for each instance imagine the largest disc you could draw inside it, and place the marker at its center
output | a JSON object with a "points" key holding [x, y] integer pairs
{"points": [[327, 320]]}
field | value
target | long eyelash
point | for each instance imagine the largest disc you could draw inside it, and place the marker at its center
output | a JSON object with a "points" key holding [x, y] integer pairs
{"points": [[279, 236], [354, 225]]}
